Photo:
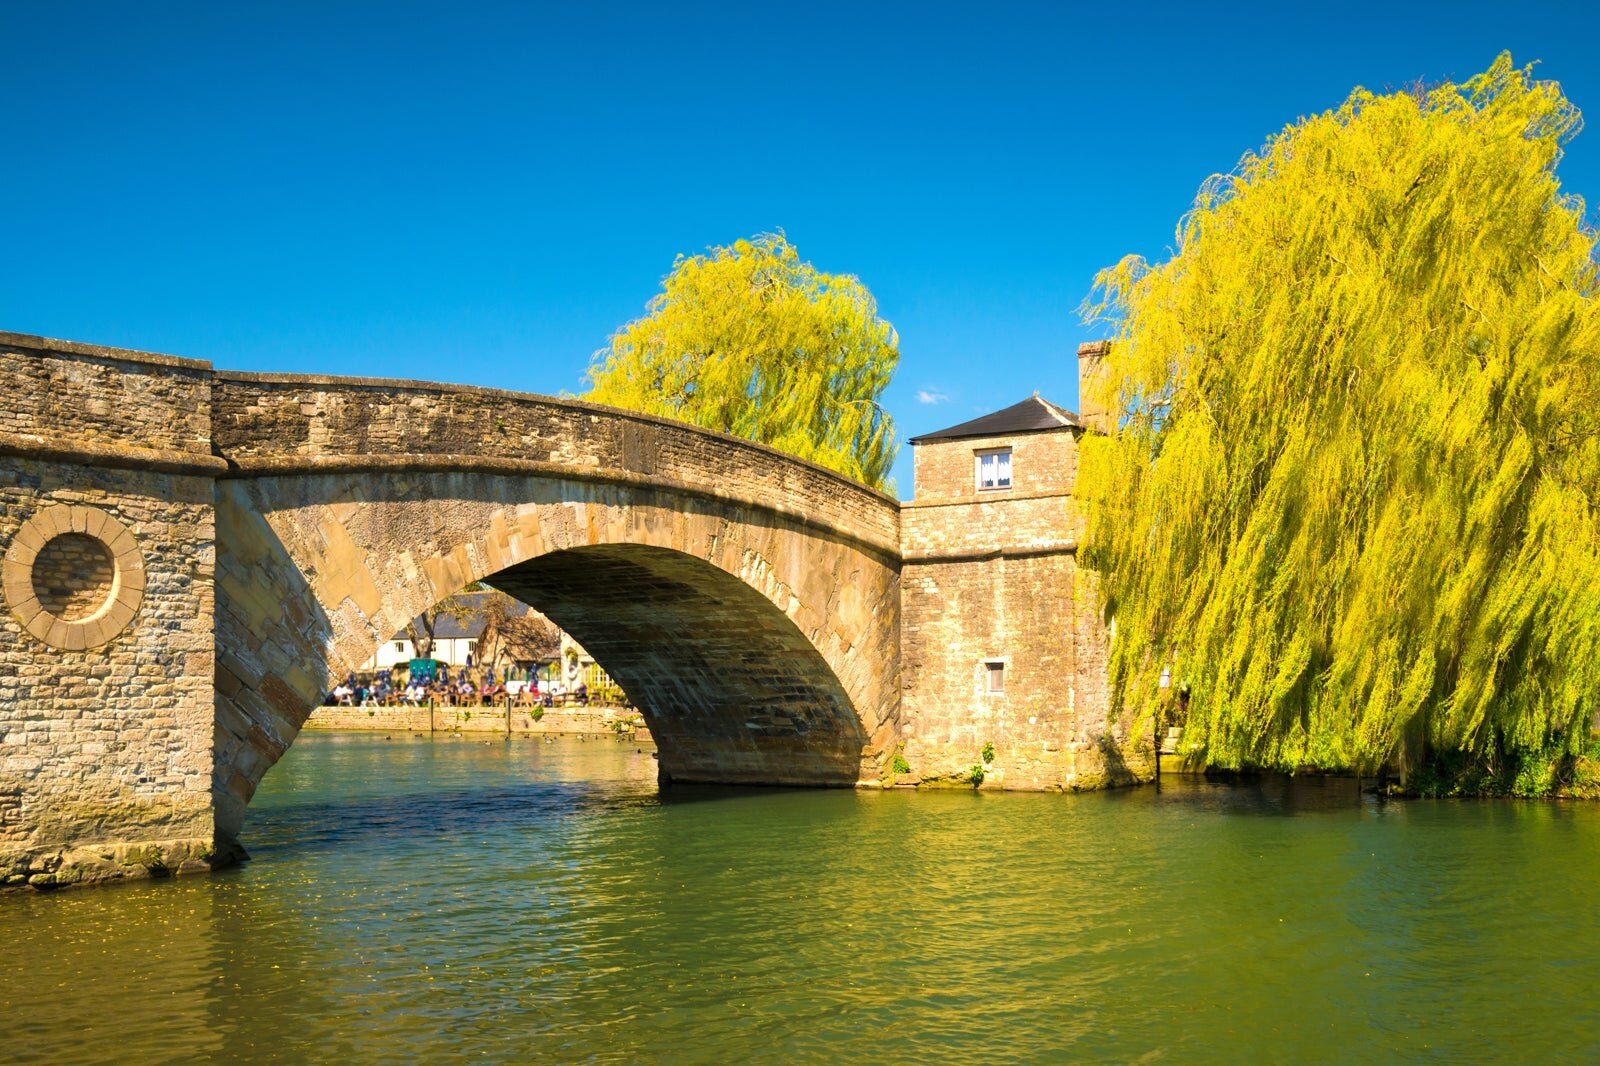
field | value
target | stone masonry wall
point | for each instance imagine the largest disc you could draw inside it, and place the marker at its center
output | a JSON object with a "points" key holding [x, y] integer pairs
{"points": [[993, 576], [1048, 727], [105, 751], [553, 721], [1041, 462]]}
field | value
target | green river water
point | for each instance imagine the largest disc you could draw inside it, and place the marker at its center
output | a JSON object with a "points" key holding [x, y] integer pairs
{"points": [[417, 900]]}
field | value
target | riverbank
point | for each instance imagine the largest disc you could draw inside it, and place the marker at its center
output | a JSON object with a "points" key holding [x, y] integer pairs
{"points": [[1538, 775], [557, 721]]}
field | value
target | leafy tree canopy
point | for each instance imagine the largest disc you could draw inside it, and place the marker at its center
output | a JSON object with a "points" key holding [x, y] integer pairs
{"points": [[1353, 497], [750, 340]]}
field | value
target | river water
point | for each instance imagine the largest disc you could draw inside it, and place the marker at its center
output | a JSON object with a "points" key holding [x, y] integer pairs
{"points": [[417, 900]]}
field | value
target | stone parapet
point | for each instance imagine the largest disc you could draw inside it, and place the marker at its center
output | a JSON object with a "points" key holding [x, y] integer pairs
{"points": [[270, 424], [103, 403]]}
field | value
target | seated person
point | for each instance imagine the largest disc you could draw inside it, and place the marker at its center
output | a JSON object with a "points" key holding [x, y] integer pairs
{"points": [[581, 693], [344, 695]]}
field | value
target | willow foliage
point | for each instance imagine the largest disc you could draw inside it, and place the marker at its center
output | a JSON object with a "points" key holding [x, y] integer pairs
{"points": [[1353, 498], [752, 341]]}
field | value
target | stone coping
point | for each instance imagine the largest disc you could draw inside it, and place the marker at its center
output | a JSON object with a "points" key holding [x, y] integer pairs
{"points": [[392, 384], [992, 496], [1018, 551], [98, 351], [120, 456]]}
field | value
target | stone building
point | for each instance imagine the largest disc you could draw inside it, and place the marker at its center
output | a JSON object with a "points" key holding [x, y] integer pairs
{"points": [[1002, 647]]}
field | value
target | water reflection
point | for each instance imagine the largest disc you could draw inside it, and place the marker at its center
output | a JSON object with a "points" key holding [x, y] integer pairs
{"points": [[444, 900], [125, 968]]}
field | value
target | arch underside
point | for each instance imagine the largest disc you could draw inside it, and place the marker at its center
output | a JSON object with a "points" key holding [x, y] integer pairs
{"points": [[760, 650], [732, 691]]}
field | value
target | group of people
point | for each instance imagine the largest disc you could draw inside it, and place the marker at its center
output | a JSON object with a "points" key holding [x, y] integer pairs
{"points": [[440, 691], [555, 694]]}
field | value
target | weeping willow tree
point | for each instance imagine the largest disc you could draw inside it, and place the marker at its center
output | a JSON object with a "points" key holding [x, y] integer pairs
{"points": [[752, 341], [1351, 500]]}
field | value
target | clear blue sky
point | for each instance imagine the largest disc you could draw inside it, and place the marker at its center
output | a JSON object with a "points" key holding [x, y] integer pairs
{"points": [[482, 193]]}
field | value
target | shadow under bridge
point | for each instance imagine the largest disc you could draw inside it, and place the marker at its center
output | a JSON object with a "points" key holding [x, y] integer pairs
{"points": [[731, 689]]}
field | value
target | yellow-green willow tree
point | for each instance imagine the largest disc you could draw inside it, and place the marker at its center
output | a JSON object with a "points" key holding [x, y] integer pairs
{"points": [[1353, 499], [750, 340]]}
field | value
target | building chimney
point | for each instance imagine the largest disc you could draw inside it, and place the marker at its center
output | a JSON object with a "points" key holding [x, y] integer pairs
{"points": [[1091, 372]]}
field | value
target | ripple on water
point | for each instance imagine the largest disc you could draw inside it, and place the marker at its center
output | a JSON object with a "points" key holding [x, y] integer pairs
{"points": [[440, 901]]}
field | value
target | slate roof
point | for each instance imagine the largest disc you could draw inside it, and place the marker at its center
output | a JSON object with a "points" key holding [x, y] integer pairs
{"points": [[1030, 416]]}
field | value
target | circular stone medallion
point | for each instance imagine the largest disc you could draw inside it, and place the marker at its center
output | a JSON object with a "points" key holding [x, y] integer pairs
{"points": [[73, 576]]}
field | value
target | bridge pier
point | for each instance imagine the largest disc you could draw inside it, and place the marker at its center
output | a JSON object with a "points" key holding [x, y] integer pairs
{"points": [[106, 714]]}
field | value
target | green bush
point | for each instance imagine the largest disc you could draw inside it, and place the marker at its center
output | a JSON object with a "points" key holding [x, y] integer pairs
{"points": [[1544, 771]]}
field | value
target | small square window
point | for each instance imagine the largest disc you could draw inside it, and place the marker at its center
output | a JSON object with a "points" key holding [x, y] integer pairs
{"points": [[994, 677], [400, 646], [994, 469]]}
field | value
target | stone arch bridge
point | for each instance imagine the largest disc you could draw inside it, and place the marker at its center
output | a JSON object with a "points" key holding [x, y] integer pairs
{"points": [[748, 602], [192, 557]]}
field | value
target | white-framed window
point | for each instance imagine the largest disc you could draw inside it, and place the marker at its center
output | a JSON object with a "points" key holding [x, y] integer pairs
{"points": [[400, 647], [994, 468], [994, 677]]}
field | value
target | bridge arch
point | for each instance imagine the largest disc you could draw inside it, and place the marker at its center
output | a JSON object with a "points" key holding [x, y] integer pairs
{"points": [[747, 601], [731, 688]]}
